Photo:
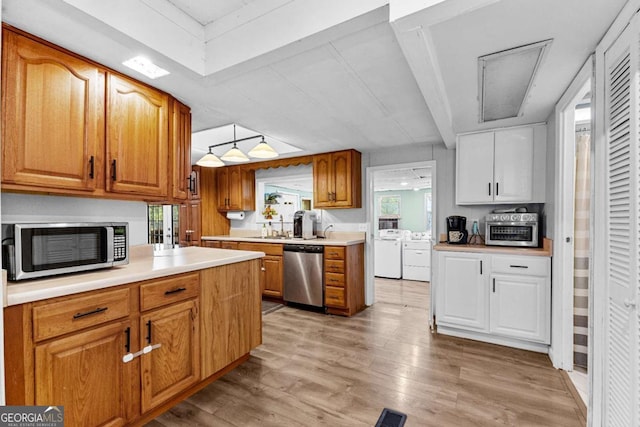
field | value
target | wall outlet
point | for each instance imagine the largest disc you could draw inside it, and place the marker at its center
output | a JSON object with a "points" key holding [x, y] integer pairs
{"points": [[363, 227]]}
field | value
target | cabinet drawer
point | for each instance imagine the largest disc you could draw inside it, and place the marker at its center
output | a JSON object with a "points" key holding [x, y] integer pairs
{"points": [[210, 243], [334, 297], [334, 252], [77, 313], [334, 266], [228, 245], [522, 265], [274, 249], [334, 279], [165, 291]]}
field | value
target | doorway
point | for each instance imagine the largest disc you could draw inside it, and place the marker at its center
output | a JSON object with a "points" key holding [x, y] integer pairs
{"points": [[401, 205], [572, 256]]}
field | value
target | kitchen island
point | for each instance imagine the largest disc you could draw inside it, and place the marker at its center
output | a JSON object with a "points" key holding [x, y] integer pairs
{"points": [[343, 265], [122, 345]]}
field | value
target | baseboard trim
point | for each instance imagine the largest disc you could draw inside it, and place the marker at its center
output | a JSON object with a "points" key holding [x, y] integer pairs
{"points": [[582, 413]]}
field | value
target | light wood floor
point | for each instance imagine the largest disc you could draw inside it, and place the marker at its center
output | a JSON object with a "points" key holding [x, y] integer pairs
{"points": [[314, 369]]}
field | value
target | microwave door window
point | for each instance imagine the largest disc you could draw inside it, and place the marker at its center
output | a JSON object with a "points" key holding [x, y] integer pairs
{"points": [[50, 248]]}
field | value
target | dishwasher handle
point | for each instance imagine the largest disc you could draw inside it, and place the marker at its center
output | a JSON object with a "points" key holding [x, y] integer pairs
{"points": [[314, 249]]}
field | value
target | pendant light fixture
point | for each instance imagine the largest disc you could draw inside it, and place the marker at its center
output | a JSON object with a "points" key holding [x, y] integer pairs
{"points": [[263, 151], [210, 160], [235, 155]]}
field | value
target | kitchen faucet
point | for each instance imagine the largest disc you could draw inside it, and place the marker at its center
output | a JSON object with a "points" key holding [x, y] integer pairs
{"points": [[324, 233]]}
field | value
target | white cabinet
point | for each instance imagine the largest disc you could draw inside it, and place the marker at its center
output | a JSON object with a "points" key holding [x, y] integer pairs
{"points": [[501, 166], [520, 297], [504, 299], [462, 295], [416, 260]]}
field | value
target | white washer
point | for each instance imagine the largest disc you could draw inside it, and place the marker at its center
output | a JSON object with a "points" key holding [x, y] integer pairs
{"points": [[388, 254], [416, 260]]}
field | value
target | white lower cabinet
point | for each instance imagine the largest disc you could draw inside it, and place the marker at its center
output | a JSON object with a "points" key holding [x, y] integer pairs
{"points": [[496, 298], [462, 295]]}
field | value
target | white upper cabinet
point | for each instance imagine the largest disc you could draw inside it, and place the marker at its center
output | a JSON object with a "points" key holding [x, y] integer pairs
{"points": [[501, 166]]}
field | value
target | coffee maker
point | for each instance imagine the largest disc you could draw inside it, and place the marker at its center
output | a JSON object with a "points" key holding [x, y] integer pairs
{"points": [[457, 230]]}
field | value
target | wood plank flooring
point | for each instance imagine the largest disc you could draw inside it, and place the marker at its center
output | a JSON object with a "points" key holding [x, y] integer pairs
{"points": [[314, 369]]}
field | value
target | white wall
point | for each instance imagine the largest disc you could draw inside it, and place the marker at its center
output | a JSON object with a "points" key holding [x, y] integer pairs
{"points": [[28, 208], [549, 222]]}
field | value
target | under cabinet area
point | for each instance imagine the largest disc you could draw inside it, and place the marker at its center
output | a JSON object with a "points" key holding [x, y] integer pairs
{"points": [[133, 350], [499, 298], [502, 166]]}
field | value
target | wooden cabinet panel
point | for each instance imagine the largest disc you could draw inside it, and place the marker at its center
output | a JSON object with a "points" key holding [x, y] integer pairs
{"points": [[337, 180], [190, 223], [231, 317], [158, 292], [210, 244], [344, 279], [52, 117], [85, 374], [183, 184], [271, 279], [80, 312], [174, 364], [275, 249], [228, 245], [236, 188], [137, 138]]}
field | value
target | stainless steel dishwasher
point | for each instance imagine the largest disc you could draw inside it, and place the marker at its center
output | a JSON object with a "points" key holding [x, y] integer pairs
{"points": [[303, 274]]}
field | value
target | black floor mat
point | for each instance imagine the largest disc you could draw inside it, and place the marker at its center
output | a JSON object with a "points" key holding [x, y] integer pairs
{"points": [[391, 418]]}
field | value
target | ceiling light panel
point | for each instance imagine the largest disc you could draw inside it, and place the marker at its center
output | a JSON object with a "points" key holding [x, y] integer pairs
{"points": [[145, 66], [505, 79]]}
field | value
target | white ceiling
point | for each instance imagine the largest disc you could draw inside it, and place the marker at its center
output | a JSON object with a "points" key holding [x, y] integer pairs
{"points": [[361, 82], [402, 179]]}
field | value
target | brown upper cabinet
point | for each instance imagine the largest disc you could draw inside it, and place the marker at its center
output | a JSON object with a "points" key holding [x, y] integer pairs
{"points": [[52, 117], [137, 137], [337, 180], [236, 188], [73, 127], [185, 181]]}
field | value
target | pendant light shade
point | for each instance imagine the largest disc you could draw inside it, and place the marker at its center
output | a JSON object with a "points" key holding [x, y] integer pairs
{"points": [[263, 151], [210, 160], [235, 155]]}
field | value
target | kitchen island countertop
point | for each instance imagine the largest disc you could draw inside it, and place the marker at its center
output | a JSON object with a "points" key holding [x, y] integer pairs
{"points": [[143, 265]]}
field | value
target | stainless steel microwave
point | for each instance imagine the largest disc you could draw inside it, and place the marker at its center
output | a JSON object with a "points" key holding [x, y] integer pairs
{"points": [[31, 250]]}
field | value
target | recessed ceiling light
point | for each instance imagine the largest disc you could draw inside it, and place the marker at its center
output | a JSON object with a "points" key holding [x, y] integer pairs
{"points": [[403, 183], [416, 189], [145, 66]]}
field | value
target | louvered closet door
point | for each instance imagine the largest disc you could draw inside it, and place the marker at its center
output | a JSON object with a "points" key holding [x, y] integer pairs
{"points": [[621, 360]]}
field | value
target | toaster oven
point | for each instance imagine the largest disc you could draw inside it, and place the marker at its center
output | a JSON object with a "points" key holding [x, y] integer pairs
{"points": [[512, 229]]}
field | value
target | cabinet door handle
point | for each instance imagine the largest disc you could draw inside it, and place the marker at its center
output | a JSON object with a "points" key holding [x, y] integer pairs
{"points": [[263, 269], [148, 337], [127, 345], [519, 266], [489, 188], [494, 285], [113, 170], [91, 166], [481, 267], [89, 313], [175, 291], [497, 188]]}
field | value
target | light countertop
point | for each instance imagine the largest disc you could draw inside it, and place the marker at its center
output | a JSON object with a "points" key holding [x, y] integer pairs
{"points": [[546, 250], [143, 265], [335, 239]]}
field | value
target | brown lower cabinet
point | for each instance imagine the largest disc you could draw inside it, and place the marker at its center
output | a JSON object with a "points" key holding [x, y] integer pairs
{"points": [[70, 351], [344, 279]]}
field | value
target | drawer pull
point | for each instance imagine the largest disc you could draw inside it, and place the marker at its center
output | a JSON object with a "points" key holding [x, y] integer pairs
{"points": [[519, 266], [89, 313], [175, 291]]}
